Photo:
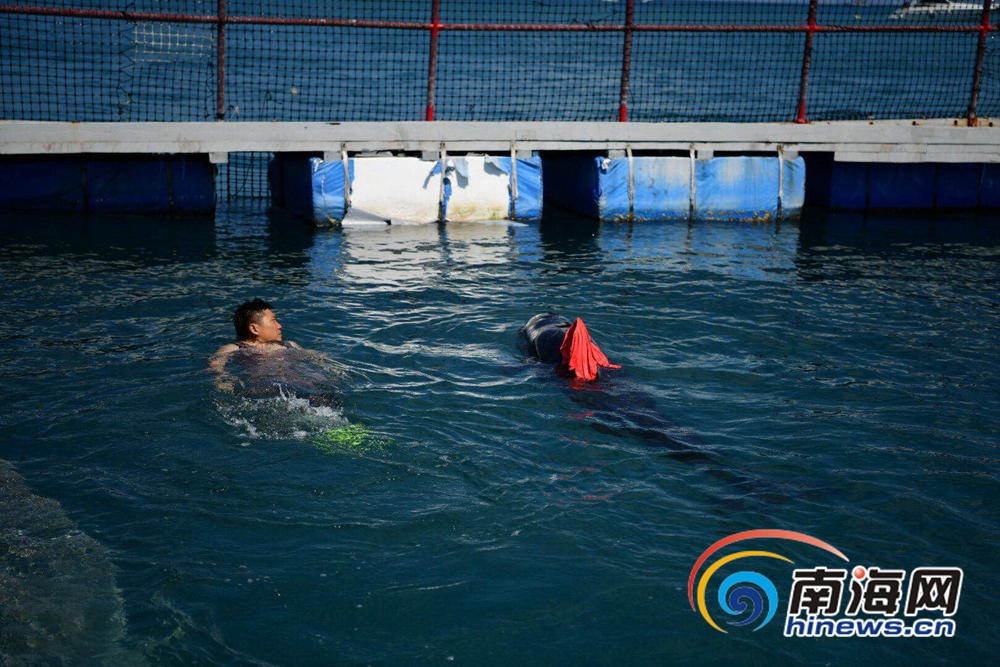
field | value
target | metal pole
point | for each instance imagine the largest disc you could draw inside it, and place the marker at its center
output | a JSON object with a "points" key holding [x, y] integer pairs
{"points": [[513, 181], [220, 62], [444, 170], [977, 76], [626, 60], [806, 62], [432, 66]]}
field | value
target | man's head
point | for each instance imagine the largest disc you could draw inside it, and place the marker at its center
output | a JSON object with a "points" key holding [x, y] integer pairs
{"points": [[254, 321]]}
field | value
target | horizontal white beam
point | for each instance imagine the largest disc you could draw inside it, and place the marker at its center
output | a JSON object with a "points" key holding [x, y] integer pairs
{"points": [[905, 157], [917, 140]]}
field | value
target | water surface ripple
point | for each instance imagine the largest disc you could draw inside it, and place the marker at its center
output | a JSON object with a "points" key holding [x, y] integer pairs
{"points": [[837, 377]]}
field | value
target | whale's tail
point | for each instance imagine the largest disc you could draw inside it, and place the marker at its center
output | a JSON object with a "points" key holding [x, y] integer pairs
{"points": [[580, 354]]}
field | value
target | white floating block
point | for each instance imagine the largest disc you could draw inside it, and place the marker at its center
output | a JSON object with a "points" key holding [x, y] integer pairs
{"points": [[391, 189], [397, 188]]}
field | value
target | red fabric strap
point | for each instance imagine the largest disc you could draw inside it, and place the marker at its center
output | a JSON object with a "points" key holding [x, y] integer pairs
{"points": [[580, 354]]}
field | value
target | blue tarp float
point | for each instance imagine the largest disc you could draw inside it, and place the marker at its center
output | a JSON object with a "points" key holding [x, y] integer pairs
{"points": [[309, 187], [676, 188], [875, 186], [526, 191], [109, 183]]}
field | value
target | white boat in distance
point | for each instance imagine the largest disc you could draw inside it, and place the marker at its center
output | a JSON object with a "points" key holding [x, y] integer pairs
{"points": [[949, 10]]}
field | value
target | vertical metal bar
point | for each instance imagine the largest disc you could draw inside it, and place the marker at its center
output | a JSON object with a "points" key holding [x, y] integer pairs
{"points": [[626, 60], [631, 183], [693, 185], [432, 65], [806, 62], [977, 76], [781, 179], [513, 181], [347, 178], [444, 170], [220, 61]]}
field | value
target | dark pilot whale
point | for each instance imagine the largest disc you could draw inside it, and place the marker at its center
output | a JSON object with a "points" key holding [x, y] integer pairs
{"points": [[553, 339], [617, 405]]}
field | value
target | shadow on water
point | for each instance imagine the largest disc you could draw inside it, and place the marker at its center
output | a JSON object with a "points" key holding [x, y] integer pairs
{"points": [[154, 238], [271, 244], [59, 604], [289, 238], [841, 245], [567, 235], [884, 233]]}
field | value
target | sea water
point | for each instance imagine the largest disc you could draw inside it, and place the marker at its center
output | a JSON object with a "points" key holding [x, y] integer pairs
{"points": [[835, 376]]}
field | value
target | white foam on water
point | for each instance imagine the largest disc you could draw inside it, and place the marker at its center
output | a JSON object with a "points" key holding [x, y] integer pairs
{"points": [[279, 417]]}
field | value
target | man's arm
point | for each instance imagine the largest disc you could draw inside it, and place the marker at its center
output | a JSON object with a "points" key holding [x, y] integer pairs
{"points": [[217, 364]]}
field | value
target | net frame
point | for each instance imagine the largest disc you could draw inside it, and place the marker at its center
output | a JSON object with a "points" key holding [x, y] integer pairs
{"points": [[622, 30]]}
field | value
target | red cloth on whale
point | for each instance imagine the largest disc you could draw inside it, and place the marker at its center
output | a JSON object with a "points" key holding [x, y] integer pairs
{"points": [[580, 353]]}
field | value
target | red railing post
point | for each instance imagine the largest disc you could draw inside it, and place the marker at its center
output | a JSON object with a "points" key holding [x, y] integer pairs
{"points": [[977, 75], [800, 117], [626, 60], [432, 65], [220, 61]]}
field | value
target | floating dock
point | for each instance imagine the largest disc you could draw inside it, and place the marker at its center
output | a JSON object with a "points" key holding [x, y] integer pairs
{"points": [[428, 171]]}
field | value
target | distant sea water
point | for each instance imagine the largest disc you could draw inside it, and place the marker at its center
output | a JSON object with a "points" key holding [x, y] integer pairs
{"points": [[836, 376], [87, 70]]}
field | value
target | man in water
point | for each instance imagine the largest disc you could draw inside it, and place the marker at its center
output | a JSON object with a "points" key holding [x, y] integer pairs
{"points": [[260, 347]]}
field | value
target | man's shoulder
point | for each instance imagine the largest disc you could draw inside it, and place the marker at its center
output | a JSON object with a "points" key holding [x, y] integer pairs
{"points": [[228, 348]]}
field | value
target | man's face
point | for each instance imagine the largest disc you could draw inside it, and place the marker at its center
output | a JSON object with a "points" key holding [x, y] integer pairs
{"points": [[267, 330]]}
